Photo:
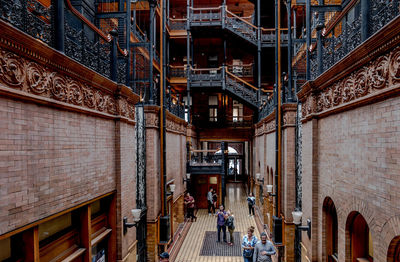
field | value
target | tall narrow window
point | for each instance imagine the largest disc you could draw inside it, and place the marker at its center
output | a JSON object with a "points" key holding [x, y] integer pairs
{"points": [[331, 230], [213, 108], [237, 112]]}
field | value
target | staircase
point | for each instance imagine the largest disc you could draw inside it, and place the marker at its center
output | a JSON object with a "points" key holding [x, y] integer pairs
{"points": [[239, 26], [221, 77], [241, 89]]}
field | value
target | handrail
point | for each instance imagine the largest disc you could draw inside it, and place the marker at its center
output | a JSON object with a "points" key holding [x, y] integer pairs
{"points": [[87, 22], [107, 38], [180, 66], [244, 65], [205, 69], [241, 80], [140, 30], [205, 8], [177, 19], [205, 150], [337, 19], [240, 18]]}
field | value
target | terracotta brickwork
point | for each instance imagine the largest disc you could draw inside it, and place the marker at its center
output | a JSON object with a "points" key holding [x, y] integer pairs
{"points": [[176, 170], [351, 146], [67, 137], [152, 240]]}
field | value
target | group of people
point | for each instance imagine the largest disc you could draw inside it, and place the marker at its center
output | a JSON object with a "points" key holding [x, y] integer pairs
{"points": [[254, 250]]}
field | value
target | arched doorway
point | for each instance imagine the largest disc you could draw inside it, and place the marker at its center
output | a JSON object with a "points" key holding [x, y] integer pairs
{"points": [[331, 230], [393, 254], [358, 239]]}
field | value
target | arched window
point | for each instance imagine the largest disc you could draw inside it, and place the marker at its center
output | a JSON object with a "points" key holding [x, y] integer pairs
{"points": [[393, 254], [331, 230], [358, 239]]}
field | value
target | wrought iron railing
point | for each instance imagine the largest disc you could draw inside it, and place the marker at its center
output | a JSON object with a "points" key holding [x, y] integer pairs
{"points": [[175, 106], [177, 71], [245, 70], [206, 74], [343, 36], [30, 16], [82, 40], [205, 15], [241, 26], [267, 107], [177, 23], [205, 158]]}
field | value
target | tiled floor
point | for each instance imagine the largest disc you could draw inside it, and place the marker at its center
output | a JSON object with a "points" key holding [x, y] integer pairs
{"points": [[236, 201]]}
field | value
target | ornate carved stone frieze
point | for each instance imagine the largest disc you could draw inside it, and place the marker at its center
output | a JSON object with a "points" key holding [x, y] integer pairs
{"points": [[382, 73], [289, 118], [270, 126], [33, 78]]}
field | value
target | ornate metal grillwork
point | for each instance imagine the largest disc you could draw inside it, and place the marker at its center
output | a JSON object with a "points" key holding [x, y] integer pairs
{"points": [[381, 13], [122, 67], [85, 46], [240, 90], [298, 156], [141, 181], [30, 16], [267, 108], [335, 48]]}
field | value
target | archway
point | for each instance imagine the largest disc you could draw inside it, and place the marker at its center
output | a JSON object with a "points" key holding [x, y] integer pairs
{"points": [[393, 254], [359, 245], [330, 230]]}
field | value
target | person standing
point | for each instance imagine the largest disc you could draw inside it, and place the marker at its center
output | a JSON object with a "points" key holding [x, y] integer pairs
{"points": [[230, 224], [221, 217], [189, 202], [164, 257], [248, 244], [263, 250], [210, 201], [251, 201], [215, 198]]}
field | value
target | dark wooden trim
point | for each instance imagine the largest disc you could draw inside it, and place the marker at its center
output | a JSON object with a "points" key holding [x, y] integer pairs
{"points": [[38, 222]]}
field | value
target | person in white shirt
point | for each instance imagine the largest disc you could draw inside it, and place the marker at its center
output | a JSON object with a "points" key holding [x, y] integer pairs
{"points": [[210, 202]]}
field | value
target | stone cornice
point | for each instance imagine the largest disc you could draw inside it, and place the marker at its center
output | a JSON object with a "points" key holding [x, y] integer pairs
{"points": [[174, 124], [32, 71], [369, 74]]}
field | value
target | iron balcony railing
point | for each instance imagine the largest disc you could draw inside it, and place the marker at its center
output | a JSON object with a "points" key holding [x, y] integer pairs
{"points": [[82, 40], [245, 70], [205, 158], [177, 23], [344, 32], [177, 71], [242, 26]]}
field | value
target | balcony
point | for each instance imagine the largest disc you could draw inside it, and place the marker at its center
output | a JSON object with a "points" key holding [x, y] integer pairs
{"points": [[81, 41], [205, 162], [341, 32]]}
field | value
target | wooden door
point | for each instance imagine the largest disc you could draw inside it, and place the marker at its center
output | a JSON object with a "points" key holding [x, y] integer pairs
{"points": [[201, 186]]}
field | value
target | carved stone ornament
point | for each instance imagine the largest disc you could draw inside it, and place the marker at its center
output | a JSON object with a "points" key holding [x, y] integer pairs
{"points": [[31, 77], [381, 73]]}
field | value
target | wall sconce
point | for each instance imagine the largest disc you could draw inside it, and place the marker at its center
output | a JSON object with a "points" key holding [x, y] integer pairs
{"points": [[136, 218], [258, 175], [297, 215], [187, 178], [269, 190], [172, 188]]}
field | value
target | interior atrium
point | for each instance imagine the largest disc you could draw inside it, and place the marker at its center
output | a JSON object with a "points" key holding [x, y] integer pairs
{"points": [[116, 114]]}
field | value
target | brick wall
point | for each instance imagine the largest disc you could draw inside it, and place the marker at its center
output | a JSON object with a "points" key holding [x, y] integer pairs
{"points": [[51, 160], [351, 148]]}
